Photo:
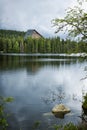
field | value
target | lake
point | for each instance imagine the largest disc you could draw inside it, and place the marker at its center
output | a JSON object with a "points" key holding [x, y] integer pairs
{"points": [[38, 83]]}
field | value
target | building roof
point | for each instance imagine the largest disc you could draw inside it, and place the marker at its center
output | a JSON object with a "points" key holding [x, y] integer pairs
{"points": [[30, 33]]}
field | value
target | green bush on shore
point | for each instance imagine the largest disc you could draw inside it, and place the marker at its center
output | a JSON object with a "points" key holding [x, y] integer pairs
{"points": [[3, 117]]}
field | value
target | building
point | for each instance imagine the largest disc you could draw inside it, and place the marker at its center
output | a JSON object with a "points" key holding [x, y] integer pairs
{"points": [[33, 34]]}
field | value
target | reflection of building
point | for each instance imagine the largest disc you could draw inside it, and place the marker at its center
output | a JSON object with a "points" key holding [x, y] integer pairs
{"points": [[33, 67], [33, 34]]}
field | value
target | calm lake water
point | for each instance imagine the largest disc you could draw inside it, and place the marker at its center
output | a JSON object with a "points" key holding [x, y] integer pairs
{"points": [[37, 83]]}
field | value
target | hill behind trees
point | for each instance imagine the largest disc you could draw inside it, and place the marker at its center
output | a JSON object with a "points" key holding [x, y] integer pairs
{"points": [[13, 42]]}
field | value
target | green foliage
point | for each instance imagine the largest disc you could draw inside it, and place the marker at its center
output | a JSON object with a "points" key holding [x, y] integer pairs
{"points": [[3, 118], [10, 41], [57, 127], [84, 104], [14, 42], [70, 126], [36, 125], [75, 21], [8, 99]]}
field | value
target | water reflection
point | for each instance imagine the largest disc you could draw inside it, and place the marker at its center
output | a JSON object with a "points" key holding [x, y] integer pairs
{"points": [[57, 94], [33, 80], [32, 63]]}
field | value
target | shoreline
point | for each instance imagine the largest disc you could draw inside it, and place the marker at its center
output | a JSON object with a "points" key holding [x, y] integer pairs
{"points": [[46, 54]]}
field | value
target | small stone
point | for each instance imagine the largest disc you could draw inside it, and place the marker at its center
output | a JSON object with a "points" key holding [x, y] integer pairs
{"points": [[60, 108]]}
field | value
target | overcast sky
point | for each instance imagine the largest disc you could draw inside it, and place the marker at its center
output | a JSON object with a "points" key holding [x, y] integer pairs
{"points": [[32, 14]]}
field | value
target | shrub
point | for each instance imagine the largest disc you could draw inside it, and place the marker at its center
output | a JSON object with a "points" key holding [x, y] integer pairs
{"points": [[3, 118]]}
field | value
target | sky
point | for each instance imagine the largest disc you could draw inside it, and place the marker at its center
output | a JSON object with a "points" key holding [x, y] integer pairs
{"points": [[33, 14]]}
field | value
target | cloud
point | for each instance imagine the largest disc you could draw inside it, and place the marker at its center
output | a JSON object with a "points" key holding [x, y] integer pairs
{"points": [[32, 14]]}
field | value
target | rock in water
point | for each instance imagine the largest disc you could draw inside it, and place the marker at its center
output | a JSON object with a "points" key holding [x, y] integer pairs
{"points": [[60, 110]]}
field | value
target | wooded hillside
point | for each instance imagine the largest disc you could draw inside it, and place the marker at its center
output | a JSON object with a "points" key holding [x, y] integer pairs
{"points": [[13, 42]]}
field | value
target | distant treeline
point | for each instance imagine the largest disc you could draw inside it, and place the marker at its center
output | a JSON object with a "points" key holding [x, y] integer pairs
{"points": [[13, 41]]}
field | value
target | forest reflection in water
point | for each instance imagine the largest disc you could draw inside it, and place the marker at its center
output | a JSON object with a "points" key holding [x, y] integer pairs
{"points": [[38, 83]]}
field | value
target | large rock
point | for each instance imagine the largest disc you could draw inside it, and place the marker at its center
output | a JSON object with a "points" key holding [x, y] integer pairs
{"points": [[60, 110]]}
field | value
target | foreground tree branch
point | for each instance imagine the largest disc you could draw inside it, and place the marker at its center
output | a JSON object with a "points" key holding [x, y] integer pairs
{"points": [[75, 22]]}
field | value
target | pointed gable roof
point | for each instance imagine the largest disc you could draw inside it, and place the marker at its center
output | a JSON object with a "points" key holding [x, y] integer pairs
{"points": [[32, 33]]}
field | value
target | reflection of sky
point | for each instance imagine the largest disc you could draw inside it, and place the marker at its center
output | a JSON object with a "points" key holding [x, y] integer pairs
{"points": [[27, 88], [47, 78]]}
